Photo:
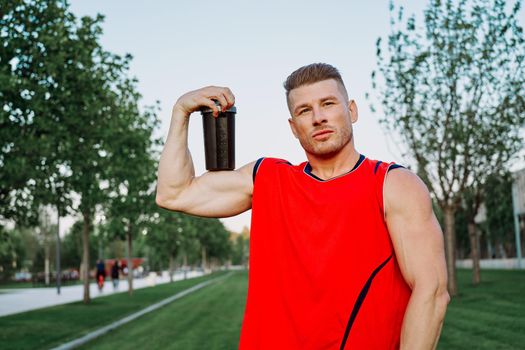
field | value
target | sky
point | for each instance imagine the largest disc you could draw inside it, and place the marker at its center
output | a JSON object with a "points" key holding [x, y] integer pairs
{"points": [[250, 47]]}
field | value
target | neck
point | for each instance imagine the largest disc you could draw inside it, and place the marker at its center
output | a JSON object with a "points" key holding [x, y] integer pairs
{"points": [[338, 164]]}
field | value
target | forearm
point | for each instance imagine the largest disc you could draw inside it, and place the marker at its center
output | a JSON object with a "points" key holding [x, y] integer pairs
{"points": [[423, 320], [176, 169]]}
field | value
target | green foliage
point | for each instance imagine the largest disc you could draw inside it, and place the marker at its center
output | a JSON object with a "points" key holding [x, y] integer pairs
{"points": [[498, 201], [173, 234], [11, 253], [213, 236], [240, 250], [70, 121], [462, 238], [454, 90], [499, 225], [71, 247]]}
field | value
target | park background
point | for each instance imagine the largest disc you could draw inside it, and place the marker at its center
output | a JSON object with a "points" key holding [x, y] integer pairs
{"points": [[251, 48]]}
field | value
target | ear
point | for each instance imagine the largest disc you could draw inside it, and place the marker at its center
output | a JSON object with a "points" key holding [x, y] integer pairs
{"points": [[292, 126], [352, 107]]}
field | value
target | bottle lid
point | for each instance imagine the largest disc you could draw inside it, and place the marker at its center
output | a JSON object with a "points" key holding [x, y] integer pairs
{"points": [[205, 110]]}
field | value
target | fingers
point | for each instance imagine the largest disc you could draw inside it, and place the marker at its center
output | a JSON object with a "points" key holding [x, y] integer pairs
{"points": [[230, 98], [223, 102], [209, 102], [194, 100], [224, 97]]}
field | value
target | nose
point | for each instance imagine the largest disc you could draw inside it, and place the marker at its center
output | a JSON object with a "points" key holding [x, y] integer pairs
{"points": [[317, 116]]}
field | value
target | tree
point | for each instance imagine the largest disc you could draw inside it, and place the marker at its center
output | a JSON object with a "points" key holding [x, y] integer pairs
{"points": [[66, 104], [472, 200], [44, 232], [240, 248], [498, 202], [12, 253], [170, 234], [35, 59], [132, 173], [72, 247], [454, 91], [213, 239]]}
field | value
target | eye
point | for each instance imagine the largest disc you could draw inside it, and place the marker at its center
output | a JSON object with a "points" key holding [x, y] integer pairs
{"points": [[303, 111], [328, 103]]}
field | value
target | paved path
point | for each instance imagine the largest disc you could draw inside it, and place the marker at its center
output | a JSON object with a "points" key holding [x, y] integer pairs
{"points": [[14, 301]]}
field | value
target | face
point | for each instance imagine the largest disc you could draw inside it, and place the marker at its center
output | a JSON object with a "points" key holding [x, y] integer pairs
{"points": [[322, 117]]}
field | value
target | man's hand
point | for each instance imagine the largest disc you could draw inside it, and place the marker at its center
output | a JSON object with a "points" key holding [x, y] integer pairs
{"points": [[204, 97]]}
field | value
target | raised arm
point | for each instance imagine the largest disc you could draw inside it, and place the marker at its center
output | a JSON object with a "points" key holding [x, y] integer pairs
{"points": [[419, 249], [213, 194]]}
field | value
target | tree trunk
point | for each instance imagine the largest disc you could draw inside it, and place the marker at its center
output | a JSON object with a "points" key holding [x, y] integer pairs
{"points": [[85, 255], [203, 251], [490, 249], [172, 263], [130, 264], [58, 271], [46, 263], [185, 267], [474, 252], [450, 249]]}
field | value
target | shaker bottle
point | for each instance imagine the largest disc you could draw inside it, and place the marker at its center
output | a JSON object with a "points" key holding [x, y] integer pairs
{"points": [[219, 138]]}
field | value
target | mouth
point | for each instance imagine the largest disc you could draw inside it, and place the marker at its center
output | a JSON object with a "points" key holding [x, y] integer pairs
{"points": [[321, 133]]}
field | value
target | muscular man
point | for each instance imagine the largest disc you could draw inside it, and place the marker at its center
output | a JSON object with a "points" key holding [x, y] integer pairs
{"points": [[345, 251]]}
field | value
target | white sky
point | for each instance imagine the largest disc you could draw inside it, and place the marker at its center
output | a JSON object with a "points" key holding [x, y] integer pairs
{"points": [[251, 47]]}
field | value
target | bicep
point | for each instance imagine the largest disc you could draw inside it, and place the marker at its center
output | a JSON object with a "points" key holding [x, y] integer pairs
{"points": [[216, 193], [414, 230]]}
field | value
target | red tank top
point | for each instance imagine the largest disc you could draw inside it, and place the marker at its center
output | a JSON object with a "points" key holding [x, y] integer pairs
{"points": [[323, 274]]}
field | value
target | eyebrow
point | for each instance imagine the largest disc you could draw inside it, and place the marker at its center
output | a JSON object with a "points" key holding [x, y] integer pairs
{"points": [[329, 97]]}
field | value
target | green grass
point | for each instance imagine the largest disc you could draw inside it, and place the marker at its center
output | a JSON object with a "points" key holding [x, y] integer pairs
{"points": [[45, 328], [488, 316], [209, 318], [25, 285], [16, 285]]}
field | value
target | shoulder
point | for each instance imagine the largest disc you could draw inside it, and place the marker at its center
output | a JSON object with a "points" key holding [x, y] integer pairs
{"points": [[405, 193], [379, 166], [267, 163]]}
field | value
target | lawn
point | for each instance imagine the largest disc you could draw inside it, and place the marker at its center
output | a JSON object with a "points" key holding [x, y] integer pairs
{"points": [[209, 318], [45, 328], [489, 316]]}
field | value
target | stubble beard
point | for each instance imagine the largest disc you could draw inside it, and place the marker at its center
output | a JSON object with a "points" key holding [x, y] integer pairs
{"points": [[330, 147]]}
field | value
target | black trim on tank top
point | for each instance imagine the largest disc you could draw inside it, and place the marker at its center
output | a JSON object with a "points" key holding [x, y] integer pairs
{"points": [[377, 166], [395, 166], [359, 301], [256, 167], [308, 169], [284, 162]]}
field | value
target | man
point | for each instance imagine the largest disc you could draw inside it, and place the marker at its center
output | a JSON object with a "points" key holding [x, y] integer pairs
{"points": [[101, 274], [115, 274], [342, 256]]}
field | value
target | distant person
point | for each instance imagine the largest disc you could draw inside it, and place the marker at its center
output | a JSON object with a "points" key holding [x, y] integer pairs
{"points": [[101, 274], [342, 255], [115, 274]]}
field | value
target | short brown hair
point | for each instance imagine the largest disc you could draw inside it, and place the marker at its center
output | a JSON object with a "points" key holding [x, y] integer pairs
{"points": [[311, 74]]}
